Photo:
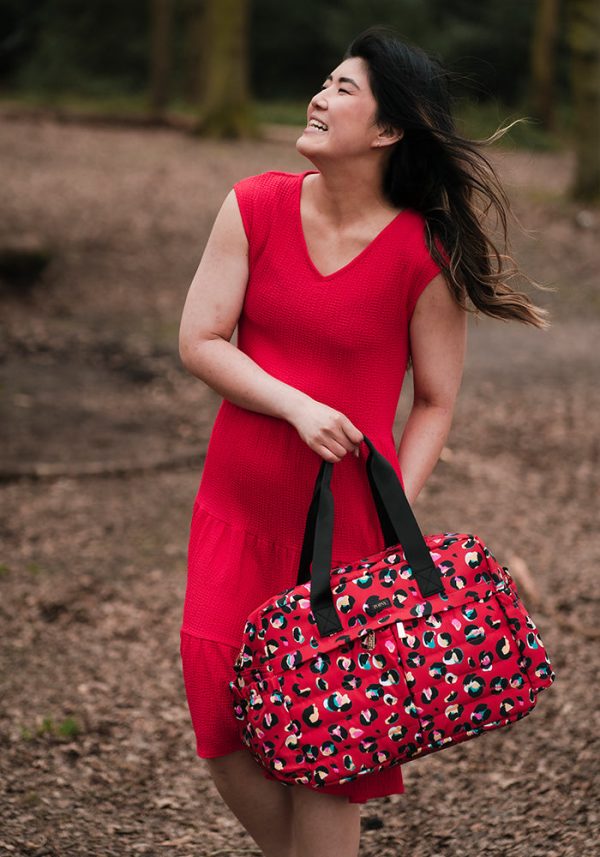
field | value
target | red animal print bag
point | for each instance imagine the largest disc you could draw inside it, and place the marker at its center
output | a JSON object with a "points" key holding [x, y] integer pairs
{"points": [[420, 646]]}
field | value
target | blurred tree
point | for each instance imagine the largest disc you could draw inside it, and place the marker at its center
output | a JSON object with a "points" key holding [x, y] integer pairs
{"points": [[101, 48], [161, 17], [193, 72], [225, 107], [486, 45], [543, 62], [584, 40]]}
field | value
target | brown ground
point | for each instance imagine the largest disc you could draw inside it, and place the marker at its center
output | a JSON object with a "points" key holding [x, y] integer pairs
{"points": [[103, 438]]}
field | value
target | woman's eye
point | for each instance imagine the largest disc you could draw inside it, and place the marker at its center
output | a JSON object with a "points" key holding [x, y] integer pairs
{"points": [[339, 90]]}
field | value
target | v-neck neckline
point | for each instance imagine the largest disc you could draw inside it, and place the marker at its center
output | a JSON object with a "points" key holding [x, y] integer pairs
{"points": [[352, 261]]}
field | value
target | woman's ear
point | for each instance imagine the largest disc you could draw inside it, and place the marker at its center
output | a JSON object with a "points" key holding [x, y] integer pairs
{"points": [[389, 136]]}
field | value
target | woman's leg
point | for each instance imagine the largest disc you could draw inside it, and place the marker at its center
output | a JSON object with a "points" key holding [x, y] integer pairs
{"points": [[263, 807], [324, 825]]}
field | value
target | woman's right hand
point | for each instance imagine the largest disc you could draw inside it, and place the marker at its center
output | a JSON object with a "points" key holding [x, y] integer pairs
{"points": [[326, 430]]}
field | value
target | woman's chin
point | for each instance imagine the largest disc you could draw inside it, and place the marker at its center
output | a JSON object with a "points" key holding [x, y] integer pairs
{"points": [[307, 141]]}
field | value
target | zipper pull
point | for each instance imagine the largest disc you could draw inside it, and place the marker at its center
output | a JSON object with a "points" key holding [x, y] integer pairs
{"points": [[238, 661], [368, 641]]}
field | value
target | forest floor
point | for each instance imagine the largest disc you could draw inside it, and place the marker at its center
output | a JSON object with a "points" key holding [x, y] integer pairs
{"points": [[103, 436]]}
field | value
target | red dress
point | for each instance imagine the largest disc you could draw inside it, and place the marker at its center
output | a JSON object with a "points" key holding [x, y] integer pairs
{"points": [[343, 340]]}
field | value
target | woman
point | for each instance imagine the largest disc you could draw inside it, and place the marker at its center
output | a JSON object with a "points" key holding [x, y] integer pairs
{"points": [[337, 277]]}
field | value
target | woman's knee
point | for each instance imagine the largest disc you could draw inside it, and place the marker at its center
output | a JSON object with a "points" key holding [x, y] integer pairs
{"points": [[324, 825]]}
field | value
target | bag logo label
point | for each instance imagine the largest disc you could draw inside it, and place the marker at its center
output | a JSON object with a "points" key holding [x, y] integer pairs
{"points": [[378, 606]]}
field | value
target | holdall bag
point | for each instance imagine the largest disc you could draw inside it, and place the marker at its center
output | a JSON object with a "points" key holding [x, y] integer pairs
{"points": [[388, 658]]}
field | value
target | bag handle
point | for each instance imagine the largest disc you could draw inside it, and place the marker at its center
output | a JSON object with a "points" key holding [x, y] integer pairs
{"points": [[398, 525]]}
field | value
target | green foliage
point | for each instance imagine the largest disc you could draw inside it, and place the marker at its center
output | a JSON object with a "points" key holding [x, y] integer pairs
{"points": [[114, 104], [92, 47], [479, 120], [309, 40], [100, 50], [68, 728], [282, 112]]}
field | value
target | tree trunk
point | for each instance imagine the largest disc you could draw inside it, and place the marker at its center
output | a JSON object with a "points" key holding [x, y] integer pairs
{"points": [[543, 61], [194, 74], [225, 108], [160, 54], [584, 41]]}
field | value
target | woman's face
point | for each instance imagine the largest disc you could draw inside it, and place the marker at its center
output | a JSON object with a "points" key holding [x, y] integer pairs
{"points": [[347, 106]]}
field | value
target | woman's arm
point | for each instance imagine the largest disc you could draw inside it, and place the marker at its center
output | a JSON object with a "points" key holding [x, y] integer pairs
{"points": [[438, 334], [210, 314]]}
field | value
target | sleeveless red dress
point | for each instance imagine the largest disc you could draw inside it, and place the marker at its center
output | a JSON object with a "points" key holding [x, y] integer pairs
{"points": [[341, 338]]}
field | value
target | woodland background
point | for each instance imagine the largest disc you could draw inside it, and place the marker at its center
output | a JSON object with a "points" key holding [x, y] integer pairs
{"points": [[122, 128]]}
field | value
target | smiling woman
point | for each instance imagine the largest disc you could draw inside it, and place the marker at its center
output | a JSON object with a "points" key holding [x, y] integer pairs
{"points": [[398, 99], [335, 277]]}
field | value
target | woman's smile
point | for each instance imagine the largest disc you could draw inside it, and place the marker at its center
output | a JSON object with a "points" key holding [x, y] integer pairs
{"points": [[312, 129]]}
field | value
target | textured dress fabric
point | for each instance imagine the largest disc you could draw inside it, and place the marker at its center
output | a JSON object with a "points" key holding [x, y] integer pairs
{"points": [[342, 339]]}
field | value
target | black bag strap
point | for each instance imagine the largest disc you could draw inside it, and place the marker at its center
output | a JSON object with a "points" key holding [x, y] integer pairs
{"points": [[398, 526]]}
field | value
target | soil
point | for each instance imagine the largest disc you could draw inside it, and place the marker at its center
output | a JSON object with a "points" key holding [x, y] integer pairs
{"points": [[103, 438]]}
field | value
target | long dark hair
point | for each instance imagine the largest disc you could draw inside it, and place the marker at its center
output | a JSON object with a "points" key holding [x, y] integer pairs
{"points": [[443, 175]]}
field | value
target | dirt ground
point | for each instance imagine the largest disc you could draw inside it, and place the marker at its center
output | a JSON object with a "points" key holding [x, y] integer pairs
{"points": [[103, 437]]}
